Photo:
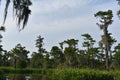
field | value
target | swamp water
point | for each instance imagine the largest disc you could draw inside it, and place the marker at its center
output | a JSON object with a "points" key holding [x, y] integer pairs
{"points": [[23, 77]]}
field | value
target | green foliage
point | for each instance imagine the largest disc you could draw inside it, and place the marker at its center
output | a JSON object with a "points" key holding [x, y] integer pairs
{"points": [[39, 44], [21, 64], [37, 60], [70, 52], [19, 56], [90, 52], [105, 18], [49, 63], [57, 56], [116, 57], [64, 74], [79, 74], [105, 15], [71, 43], [88, 41]]}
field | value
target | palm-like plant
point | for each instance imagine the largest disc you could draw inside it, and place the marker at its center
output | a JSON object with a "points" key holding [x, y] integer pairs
{"points": [[20, 10]]}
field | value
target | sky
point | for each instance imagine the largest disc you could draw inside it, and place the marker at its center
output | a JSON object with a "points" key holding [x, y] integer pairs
{"points": [[59, 20]]}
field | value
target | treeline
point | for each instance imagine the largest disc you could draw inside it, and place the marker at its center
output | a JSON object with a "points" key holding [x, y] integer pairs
{"points": [[66, 55]]}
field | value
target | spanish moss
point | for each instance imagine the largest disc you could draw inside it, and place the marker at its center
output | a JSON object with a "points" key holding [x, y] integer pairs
{"points": [[21, 11]]}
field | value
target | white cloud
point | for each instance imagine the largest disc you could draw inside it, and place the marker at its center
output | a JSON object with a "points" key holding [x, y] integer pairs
{"points": [[47, 6]]}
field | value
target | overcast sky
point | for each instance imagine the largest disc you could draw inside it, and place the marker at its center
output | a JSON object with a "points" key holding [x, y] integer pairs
{"points": [[58, 20]]}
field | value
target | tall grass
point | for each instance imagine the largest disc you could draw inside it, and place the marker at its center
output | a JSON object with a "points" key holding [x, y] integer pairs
{"points": [[78, 74]]}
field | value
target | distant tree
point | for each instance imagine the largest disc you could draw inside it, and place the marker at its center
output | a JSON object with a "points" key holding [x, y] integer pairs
{"points": [[37, 60], [5, 58], [88, 41], [57, 56], [38, 57], [90, 51], [48, 62], [105, 18], [71, 43], [116, 56], [39, 44], [19, 56], [21, 10], [111, 41], [82, 59], [70, 52]]}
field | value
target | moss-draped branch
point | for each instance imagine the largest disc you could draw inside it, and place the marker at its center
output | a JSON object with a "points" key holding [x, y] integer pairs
{"points": [[21, 11]]}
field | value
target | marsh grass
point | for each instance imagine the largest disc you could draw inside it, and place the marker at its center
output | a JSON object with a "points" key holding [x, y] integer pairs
{"points": [[64, 74]]}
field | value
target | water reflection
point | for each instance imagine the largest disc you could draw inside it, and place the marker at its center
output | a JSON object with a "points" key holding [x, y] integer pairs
{"points": [[16, 77], [23, 77], [43, 77], [27, 77]]}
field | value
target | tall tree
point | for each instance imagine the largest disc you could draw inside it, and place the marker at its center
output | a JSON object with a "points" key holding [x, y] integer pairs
{"points": [[111, 41], [20, 10], [38, 57], [105, 18], [39, 44], [57, 56], [70, 52], [90, 51]]}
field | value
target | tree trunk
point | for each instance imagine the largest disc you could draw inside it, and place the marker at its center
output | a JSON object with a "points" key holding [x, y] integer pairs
{"points": [[106, 48]]}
